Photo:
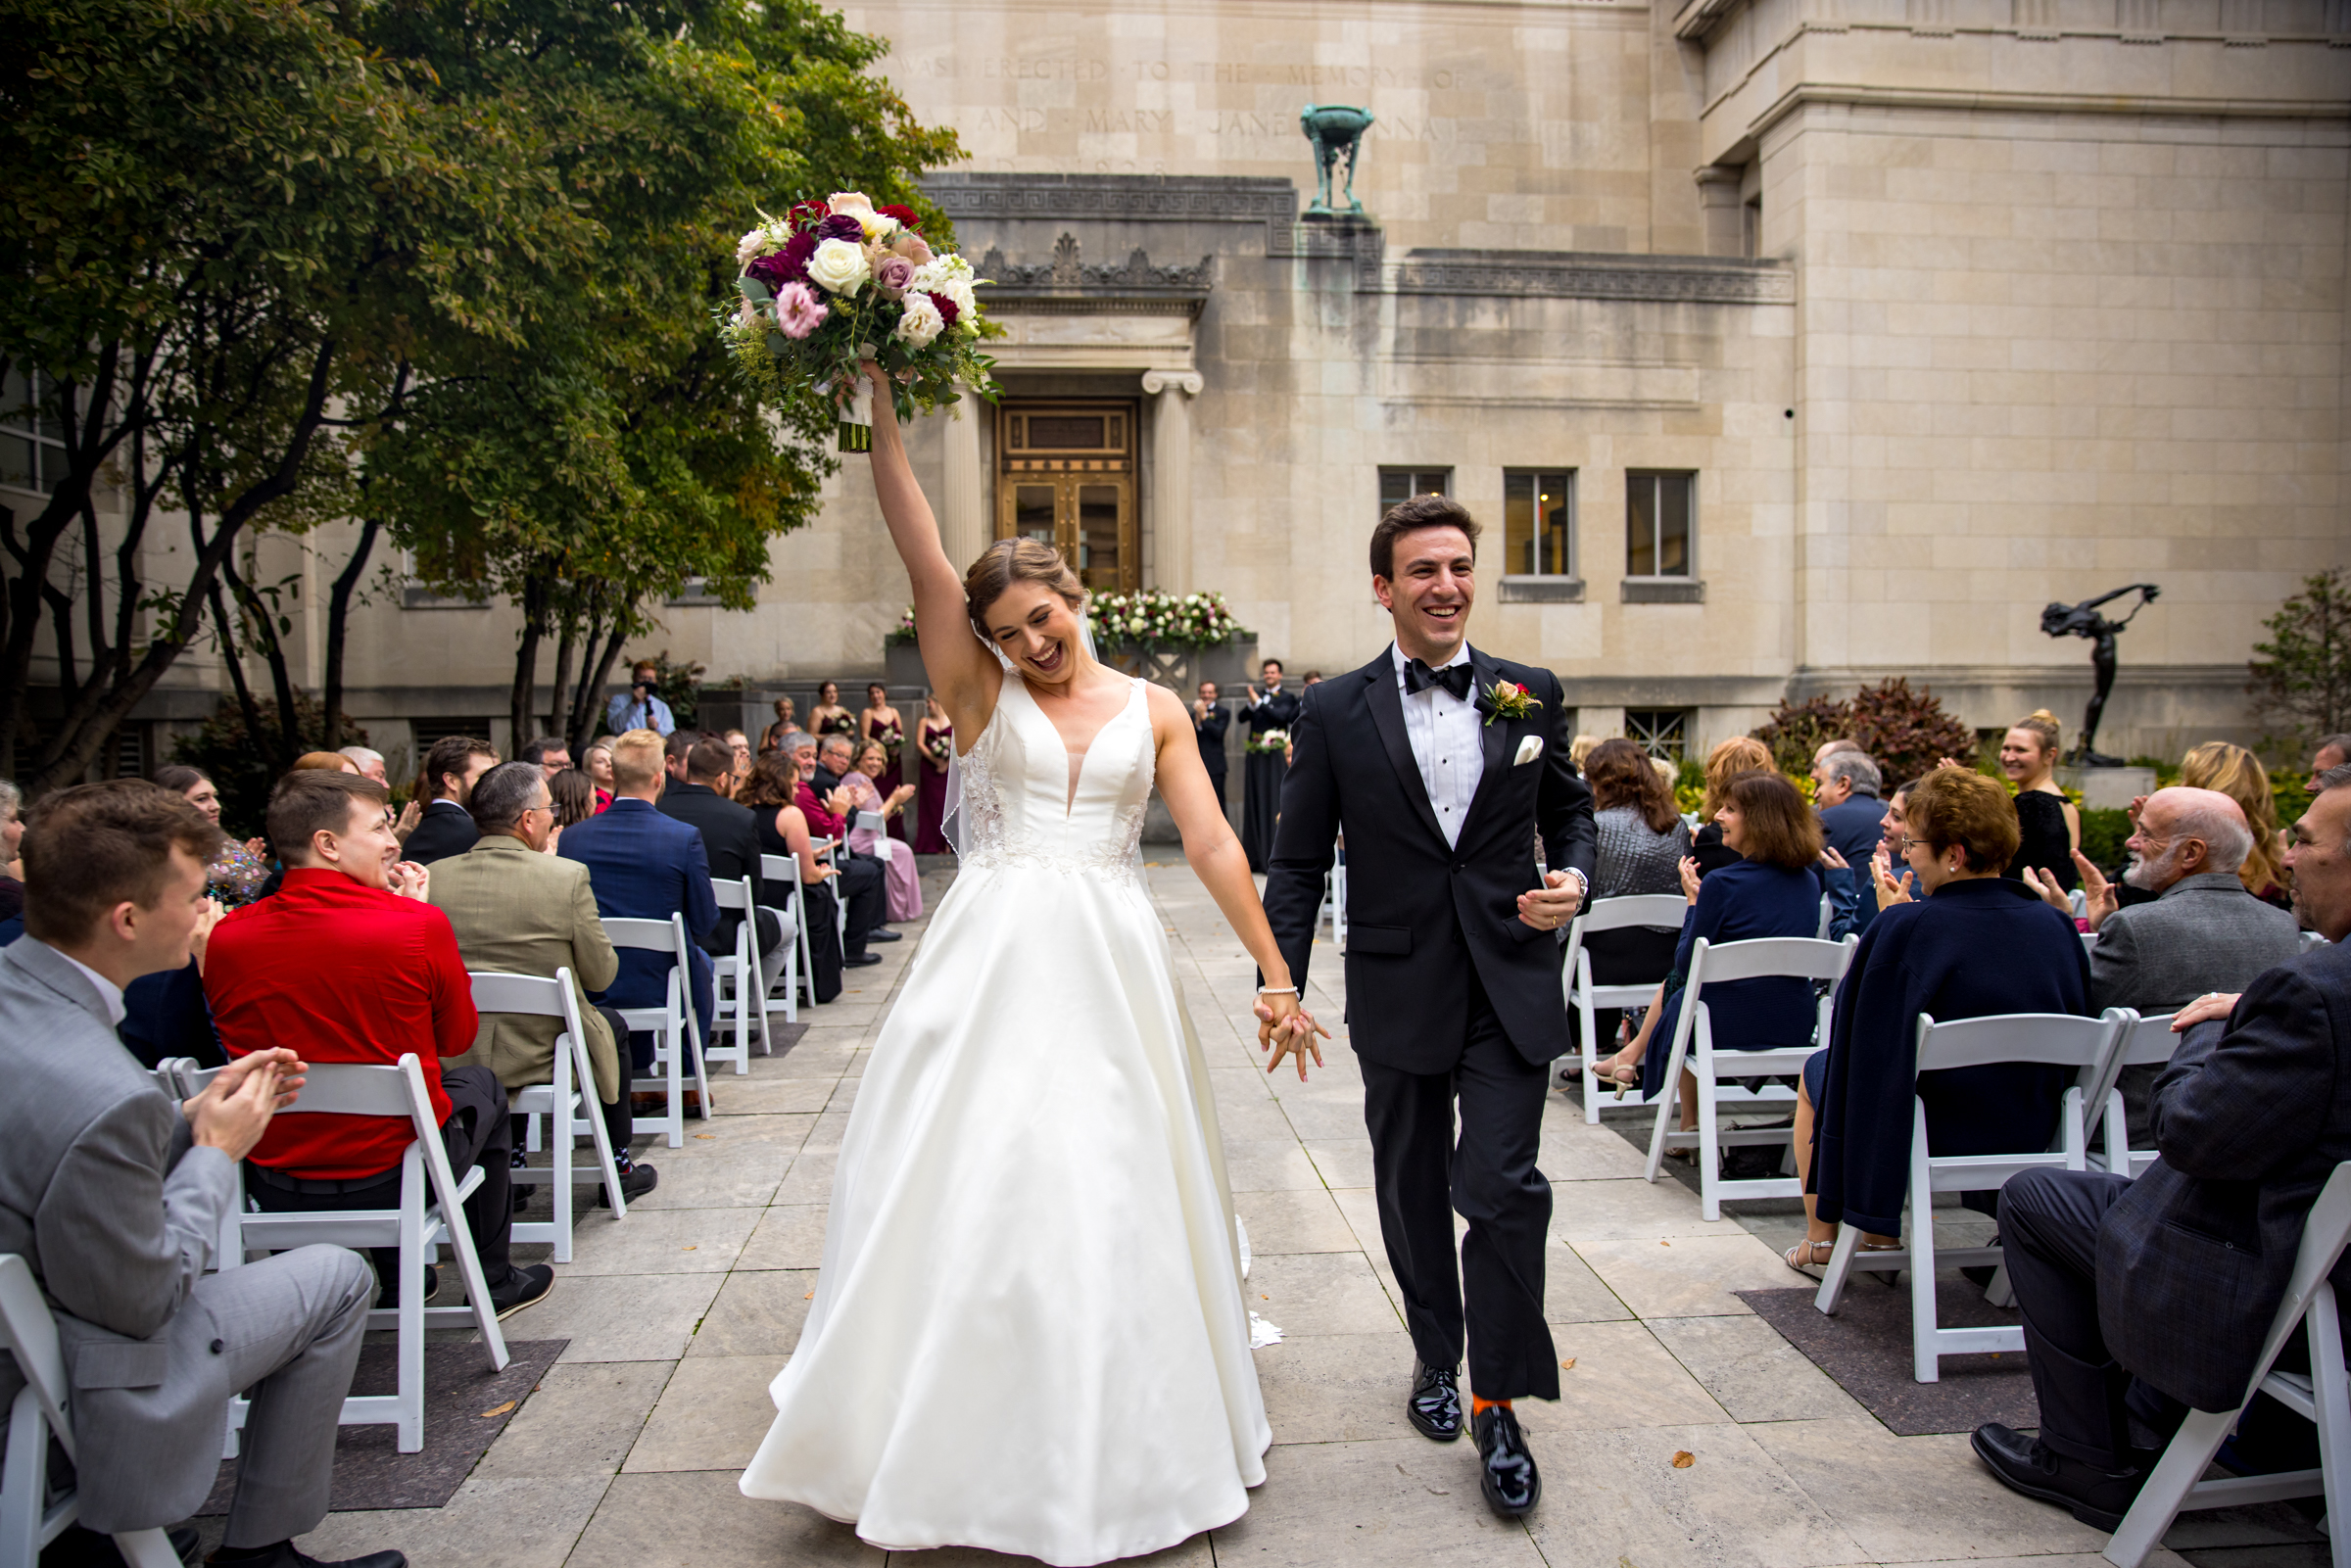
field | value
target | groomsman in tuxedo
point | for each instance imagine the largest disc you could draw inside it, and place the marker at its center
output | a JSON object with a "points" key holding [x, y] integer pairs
{"points": [[1210, 722], [1443, 764], [1266, 712]]}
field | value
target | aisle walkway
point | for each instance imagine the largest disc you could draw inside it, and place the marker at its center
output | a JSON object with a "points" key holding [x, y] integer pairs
{"points": [[627, 1455]]}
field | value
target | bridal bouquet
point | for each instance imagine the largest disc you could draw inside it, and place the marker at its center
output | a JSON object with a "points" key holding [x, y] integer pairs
{"points": [[840, 281], [1276, 741]]}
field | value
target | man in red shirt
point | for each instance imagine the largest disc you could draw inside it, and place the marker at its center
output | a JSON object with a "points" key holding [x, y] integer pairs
{"points": [[349, 962]]}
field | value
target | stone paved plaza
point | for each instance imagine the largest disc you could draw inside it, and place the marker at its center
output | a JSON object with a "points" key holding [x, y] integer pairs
{"points": [[627, 1455]]}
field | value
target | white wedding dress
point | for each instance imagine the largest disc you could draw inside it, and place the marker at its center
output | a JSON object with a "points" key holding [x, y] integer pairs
{"points": [[1029, 1334]]}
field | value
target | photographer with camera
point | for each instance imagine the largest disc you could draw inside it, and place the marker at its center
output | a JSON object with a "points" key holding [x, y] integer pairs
{"points": [[638, 708]]}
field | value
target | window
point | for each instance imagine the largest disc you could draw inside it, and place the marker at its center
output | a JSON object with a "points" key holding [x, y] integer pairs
{"points": [[1403, 484], [1658, 523], [33, 435], [1538, 522], [1660, 731]]}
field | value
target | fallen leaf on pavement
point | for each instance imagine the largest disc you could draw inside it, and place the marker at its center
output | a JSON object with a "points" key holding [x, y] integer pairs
{"points": [[705, 1134], [495, 1412], [1568, 1365], [1684, 1460], [693, 1249]]}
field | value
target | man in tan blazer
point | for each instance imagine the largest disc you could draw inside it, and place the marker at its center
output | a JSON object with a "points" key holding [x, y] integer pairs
{"points": [[519, 911]]}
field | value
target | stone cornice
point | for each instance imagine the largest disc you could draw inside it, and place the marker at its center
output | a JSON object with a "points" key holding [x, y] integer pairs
{"points": [[1584, 275], [1070, 280], [1117, 198], [2023, 103]]}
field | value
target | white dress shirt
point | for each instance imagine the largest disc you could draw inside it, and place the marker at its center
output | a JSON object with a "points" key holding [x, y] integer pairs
{"points": [[1443, 730], [108, 992]]}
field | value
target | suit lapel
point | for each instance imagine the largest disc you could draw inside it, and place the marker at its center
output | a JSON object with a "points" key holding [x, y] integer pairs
{"points": [[1387, 717], [1492, 736]]}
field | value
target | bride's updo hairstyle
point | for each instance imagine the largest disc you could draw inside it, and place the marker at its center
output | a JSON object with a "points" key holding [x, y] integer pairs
{"points": [[1017, 560]]}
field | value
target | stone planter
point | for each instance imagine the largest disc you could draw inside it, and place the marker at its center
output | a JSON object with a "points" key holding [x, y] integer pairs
{"points": [[1181, 670], [903, 662]]}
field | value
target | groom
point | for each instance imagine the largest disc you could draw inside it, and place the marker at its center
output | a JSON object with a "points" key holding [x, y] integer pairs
{"points": [[1441, 765]]}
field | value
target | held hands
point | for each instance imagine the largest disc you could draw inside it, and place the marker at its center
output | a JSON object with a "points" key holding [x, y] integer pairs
{"points": [[1289, 1030], [1555, 903]]}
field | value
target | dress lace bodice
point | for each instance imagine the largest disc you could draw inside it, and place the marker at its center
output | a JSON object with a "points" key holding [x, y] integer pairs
{"points": [[1020, 808]]}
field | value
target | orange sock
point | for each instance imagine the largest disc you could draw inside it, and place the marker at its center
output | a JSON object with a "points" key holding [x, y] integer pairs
{"points": [[1478, 1407]]}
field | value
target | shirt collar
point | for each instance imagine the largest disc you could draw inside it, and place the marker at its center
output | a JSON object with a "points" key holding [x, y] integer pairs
{"points": [[108, 993], [1396, 656]]}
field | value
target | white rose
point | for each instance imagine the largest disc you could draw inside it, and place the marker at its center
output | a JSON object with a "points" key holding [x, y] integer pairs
{"points": [[966, 307], [838, 268], [922, 323], [749, 246]]}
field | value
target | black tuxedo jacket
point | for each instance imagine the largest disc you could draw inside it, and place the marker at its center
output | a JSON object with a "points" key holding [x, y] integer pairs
{"points": [[1210, 734], [729, 837], [446, 829], [2251, 1118], [1420, 913]]}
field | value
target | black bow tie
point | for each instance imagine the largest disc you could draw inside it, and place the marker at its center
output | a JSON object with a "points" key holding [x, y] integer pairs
{"points": [[1454, 678]]}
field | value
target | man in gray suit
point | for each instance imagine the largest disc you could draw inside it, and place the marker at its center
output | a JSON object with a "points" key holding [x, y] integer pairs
{"points": [[114, 1197], [2202, 934]]}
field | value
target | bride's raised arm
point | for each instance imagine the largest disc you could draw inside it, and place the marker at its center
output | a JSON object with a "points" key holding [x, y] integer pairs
{"points": [[963, 674]]}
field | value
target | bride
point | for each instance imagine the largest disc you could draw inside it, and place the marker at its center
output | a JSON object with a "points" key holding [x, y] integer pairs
{"points": [[1028, 1334]]}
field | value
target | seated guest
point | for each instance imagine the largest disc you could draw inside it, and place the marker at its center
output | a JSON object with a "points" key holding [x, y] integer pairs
{"points": [[644, 866], [113, 1197], [1769, 891], [350, 959], [741, 744], [553, 753], [451, 767], [1643, 841], [783, 827], [598, 764], [771, 737], [2202, 933], [825, 805], [859, 869], [2142, 1296], [573, 797], [902, 883], [2238, 774], [638, 708], [1845, 785], [1727, 761], [324, 761], [516, 910], [1884, 888], [730, 841], [1979, 944], [2332, 751], [368, 762]]}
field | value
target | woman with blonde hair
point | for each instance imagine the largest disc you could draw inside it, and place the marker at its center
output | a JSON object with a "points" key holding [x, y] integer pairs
{"points": [[2238, 774], [1730, 759], [2048, 828]]}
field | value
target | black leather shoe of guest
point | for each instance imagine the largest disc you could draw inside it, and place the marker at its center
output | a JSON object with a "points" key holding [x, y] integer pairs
{"points": [[886, 936], [635, 1182], [2097, 1498], [1435, 1405], [860, 961], [1506, 1467], [524, 1287]]}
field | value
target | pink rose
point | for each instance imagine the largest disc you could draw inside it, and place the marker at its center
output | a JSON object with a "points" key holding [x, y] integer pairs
{"points": [[910, 245], [798, 310], [894, 273]]}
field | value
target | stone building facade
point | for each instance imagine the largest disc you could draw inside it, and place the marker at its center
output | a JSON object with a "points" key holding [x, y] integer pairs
{"points": [[1780, 345]]}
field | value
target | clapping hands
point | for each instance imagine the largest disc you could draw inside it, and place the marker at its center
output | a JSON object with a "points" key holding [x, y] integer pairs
{"points": [[1688, 870], [2097, 894], [1881, 875]]}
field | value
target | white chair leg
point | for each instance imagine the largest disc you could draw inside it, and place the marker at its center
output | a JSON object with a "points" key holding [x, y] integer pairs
{"points": [[1709, 1154], [23, 1482], [411, 1296], [559, 1190], [2184, 1461], [1666, 1106], [2000, 1292], [2330, 1392], [1592, 1052], [1838, 1274], [146, 1548], [1925, 1356]]}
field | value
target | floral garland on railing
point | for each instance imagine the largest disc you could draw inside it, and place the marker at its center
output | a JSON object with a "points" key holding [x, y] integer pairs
{"points": [[1151, 618]]}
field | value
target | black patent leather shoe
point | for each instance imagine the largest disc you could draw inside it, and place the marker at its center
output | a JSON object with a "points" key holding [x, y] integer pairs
{"points": [[1435, 1407], [2097, 1498], [1505, 1468]]}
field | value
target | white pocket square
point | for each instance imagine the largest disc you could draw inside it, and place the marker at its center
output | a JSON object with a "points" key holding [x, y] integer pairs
{"points": [[1528, 750]]}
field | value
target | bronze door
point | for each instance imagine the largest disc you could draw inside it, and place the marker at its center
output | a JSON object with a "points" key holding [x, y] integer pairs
{"points": [[1065, 478]]}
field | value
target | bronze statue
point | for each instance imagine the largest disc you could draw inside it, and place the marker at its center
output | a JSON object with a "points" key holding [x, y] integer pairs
{"points": [[1338, 132], [2083, 620]]}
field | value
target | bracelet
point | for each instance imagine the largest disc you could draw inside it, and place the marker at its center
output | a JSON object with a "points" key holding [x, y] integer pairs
{"points": [[1277, 991]]}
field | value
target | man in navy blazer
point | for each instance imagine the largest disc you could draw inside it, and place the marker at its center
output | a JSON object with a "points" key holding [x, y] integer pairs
{"points": [[646, 866], [2166, 1286]]}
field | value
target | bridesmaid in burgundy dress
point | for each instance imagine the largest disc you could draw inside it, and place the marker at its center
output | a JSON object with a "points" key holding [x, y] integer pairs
{"points": [[934, 744], [881, 722]]}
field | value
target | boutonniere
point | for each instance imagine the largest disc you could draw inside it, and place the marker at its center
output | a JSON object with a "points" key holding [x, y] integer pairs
{"points": [[1506, 699]]}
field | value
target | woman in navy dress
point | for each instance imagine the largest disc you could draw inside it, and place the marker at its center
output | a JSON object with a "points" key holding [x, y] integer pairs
{"points": [[1977, 945], [1769, 891]]}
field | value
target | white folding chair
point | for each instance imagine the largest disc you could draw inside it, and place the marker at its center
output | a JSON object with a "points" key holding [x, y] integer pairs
{"points": [[875, 823], [1335, 903], [1586, 999], [28, 1518], [2080, 903], [2311, 941], [2321, 1396], [822, 849], [180, 1079], [1800, 958], [2089, 941], [2056, 1039], [431, 1215], [672, 1024], [564, 1102], [798, 962], [2147, 1042], [734, 981], [1828, 918]]}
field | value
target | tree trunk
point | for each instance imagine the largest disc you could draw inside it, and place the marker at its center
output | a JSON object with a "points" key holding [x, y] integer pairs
{"points": [[229, 656], [338, 627], [558, 697], [261, 623], [522, 700], [586, 703]]}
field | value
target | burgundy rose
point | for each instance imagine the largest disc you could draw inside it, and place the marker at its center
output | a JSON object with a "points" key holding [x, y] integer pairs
{"points": [[946, 307], [808, 210], [841, 226], [787, 265], [906, 216]]}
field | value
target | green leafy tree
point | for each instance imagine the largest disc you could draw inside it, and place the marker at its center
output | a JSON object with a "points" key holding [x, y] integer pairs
{"points": [[2302, 680]]}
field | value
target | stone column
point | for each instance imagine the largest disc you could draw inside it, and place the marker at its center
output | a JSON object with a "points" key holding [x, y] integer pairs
{"points": [[1171, 475], [963, 499], [1719, 211]]}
